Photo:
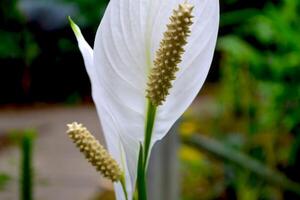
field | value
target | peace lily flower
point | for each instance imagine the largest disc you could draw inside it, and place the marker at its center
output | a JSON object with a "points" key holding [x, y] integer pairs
{"points": [[123, 71]]}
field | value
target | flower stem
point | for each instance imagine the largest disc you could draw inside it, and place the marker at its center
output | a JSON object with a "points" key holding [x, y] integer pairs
{"points": [[151, 113], [141, 177], [144, 153]]}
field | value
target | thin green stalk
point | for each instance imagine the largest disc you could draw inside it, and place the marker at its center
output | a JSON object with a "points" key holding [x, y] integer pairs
{"points": [[26, 167], [151, 113], [144, 153], [123, 183], [141, 177]]}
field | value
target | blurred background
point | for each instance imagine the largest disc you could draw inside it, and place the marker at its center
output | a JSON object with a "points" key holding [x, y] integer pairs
{"points": [[241, 136]]}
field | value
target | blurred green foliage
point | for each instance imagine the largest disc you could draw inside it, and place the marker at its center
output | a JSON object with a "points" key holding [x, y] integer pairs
{"points": [[4, 180], [31, 55], [90, 11], [16, 40], [257, 98], [260, 77]]}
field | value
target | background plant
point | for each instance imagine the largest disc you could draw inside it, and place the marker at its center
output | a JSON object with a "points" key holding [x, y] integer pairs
{"points": [[257, 111]]}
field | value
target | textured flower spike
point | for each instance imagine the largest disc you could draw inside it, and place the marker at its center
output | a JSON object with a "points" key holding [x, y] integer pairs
{"points": [[94, 152], [169, 54]]}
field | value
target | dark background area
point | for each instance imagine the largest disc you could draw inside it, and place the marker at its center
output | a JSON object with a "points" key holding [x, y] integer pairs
{"points": [[41, 64]]}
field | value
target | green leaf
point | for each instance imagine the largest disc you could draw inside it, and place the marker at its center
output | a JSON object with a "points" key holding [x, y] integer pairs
{"points": [[242, 160]]}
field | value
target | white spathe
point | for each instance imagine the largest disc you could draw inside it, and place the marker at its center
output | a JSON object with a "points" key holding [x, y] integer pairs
{"points": [[125, 45]]}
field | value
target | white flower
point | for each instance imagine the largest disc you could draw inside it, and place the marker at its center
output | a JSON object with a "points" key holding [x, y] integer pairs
{"points": [[125, 46]]}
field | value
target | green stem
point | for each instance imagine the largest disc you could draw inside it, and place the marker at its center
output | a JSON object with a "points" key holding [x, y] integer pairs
{"points": [[144, 153], [151, 113], [123, 183], [26, 166], [141, 178]]}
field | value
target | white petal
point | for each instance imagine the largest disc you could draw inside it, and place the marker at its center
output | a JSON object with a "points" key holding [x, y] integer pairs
{"points": [[125, 46], [85, 49], [121, 66]]}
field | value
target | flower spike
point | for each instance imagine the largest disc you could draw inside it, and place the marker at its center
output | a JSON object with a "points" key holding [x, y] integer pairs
{"points": [[169, 54], [94, 152]]}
